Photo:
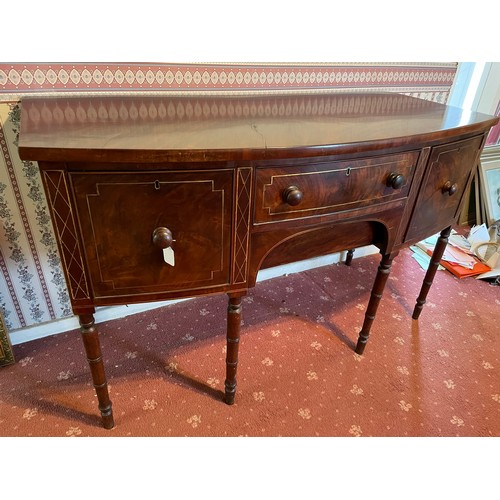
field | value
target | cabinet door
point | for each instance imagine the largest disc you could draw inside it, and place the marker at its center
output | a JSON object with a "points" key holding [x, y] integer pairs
{"points": [[119, 213], [447, 177]]}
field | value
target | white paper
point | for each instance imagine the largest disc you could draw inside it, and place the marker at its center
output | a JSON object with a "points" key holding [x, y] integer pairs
{"points": [[459, 241], [451, 254], [478, 234]]}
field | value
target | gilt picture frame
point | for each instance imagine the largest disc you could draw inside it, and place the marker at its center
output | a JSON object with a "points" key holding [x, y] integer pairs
{"points": [[6, 354], [489, 178]]}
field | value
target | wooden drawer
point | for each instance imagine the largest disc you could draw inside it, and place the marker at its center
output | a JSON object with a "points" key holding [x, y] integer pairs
{"points": [[285, 193], [119, 212], [446, 179]]}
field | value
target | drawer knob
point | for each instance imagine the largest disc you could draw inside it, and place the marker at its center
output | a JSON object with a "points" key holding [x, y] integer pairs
{"points": [[395, 181], [449, 188], [162, 237], [292, 195]]}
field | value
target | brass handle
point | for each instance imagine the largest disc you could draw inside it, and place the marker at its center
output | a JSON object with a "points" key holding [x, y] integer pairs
{"points": [[395, 181], [449, 188], [292, 195], [162, 237]]}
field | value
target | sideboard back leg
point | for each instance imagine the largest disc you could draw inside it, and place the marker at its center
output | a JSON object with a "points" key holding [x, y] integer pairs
{"points": [[233, 343], [377, 290], [431, 270], [349, 256], [92, 345]]}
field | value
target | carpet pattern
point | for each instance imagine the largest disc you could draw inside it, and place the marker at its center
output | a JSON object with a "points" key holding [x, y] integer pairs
{"points": [[298, 374]]}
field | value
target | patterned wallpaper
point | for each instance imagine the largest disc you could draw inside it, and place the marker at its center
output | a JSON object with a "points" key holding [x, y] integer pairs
{"points": [[32, 287]]}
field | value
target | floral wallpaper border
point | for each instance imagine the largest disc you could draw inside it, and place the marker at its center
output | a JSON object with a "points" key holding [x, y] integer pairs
{"points": [[32, 286], [414, 77]]}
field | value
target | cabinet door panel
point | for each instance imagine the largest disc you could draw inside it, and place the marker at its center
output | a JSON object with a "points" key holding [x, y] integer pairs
{"points": [[118, 214], [448, 175]]}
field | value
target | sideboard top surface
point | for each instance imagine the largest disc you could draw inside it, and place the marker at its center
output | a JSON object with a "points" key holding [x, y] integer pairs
{"points": [[205, 128]]}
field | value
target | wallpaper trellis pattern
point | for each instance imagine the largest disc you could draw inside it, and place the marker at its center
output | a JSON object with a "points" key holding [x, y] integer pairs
{"points": [[32, 287]]}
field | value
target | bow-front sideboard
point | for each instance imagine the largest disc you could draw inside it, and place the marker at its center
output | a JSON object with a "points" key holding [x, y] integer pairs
{"points": [[160, 197]]}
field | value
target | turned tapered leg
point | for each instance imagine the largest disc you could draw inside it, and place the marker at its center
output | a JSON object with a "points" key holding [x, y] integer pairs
{"points": [[92, 345], [377, 290], [349, 256], [233, 342], [431, 270]]}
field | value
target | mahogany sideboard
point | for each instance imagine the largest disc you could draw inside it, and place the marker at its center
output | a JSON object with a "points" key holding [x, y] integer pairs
{"points": [[155, 197]]}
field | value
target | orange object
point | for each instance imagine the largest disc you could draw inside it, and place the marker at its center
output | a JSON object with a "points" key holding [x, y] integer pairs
{"points": [[463, 272]]}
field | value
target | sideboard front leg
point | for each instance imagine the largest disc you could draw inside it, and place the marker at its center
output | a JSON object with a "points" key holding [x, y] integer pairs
{"points": [[92, 345], [377, 290], [431, 270], [233, 342]]}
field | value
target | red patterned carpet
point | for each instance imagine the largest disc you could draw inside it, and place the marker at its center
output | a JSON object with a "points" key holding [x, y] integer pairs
{"points": [[298, 373]]}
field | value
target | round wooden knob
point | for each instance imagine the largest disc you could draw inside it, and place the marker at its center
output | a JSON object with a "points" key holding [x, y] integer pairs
{"points": [[395, 181], [292, 195], [162, 237], [449, 188]]}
